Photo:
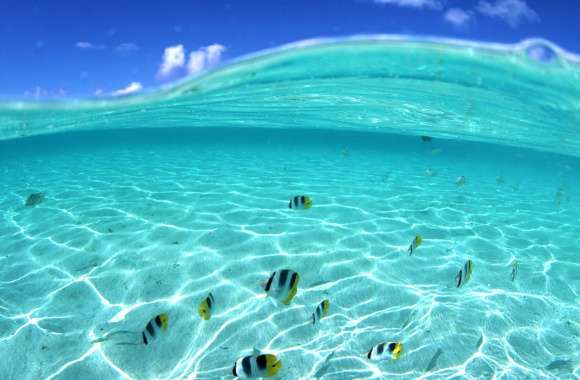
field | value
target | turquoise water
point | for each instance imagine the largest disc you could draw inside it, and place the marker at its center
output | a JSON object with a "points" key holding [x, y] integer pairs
{"points": [[152, 202]]}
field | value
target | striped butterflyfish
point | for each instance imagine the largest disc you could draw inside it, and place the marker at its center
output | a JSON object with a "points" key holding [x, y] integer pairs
{"points": [[155, 327], [389, 350], [282, 285], [300, 202], [464, 274], [206, 306], [256, 366], [414, 244], [321, 311]]}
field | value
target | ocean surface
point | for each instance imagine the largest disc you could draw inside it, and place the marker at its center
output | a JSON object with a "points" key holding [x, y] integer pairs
{"points": [[149, 203]]}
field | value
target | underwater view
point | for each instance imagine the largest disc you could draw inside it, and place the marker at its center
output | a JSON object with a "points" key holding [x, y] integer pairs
{"points": [[379, 203], [408, 211]]}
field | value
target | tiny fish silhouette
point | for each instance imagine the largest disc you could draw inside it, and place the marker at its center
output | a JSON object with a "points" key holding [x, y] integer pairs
{"points": [[34, 199], [560, 364], [433, 361]]}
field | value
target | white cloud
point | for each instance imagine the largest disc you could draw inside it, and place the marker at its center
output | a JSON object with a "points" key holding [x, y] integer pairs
{"points": [[88, 45], [214, 53], [196, 62], [512, 11], [458, 17], [199, 60], [173, 58], [433, 4], [127, 47], [99, 92], [130, 89], [204, 58]]}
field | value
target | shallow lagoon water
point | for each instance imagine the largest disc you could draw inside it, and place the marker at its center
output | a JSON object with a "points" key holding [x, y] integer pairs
{"points": [[140, 222], [151, 202]]}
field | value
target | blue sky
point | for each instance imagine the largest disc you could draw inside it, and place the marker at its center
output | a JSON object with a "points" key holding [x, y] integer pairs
{"points": [[85, 48]]}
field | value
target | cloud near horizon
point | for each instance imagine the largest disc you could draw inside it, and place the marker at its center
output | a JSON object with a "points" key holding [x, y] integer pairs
{"points": [[204, 58], [130, 89], [173, 61]]}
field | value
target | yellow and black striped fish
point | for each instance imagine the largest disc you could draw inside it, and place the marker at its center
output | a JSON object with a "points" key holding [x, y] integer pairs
{"points": [[255, 366], [154, 327], [321, 311], [464, 274], [390, 350], [283, 285], [205, 308], [414, 244], [300, 202]]}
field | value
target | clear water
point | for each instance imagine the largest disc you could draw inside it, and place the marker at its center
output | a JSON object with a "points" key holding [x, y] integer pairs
{"points": [[143, 216]]}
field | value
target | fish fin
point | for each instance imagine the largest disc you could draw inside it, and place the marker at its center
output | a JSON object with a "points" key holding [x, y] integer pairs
{"points": [[291, 295], [256, 351], [292, 292]]}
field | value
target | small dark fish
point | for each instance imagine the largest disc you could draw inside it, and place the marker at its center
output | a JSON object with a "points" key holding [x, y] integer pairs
{"points": [[426, 139], [324, 366], [433, 361], [479, 342], [564, 365], [34, 199], [514, 270]]}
